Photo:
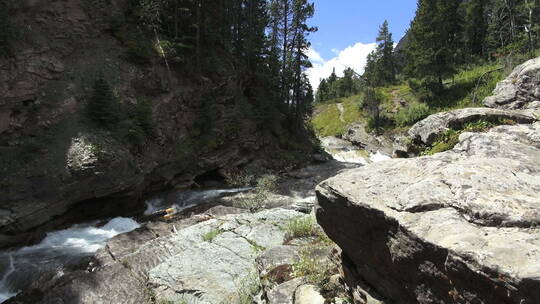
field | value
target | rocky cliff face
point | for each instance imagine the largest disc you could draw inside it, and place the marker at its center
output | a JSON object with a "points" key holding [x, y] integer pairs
{"points": [[53, 159]]}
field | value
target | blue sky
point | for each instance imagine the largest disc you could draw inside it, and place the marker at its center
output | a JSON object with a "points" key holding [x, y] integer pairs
{"points": [[347, 32]]}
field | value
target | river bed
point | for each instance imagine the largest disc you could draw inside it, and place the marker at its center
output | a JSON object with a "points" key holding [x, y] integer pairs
{"points": [[63, 249]]}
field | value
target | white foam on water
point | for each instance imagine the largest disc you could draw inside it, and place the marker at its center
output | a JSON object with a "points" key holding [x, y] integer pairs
{"points": [[153, 205], [350, 157], [83, 239], [5, 293], [59, 247], [378, 157], [187, 199]]}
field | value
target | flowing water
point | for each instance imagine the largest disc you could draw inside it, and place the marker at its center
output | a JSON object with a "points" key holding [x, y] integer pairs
{"points": [[64, 248], [183, 200], [343, 151], [57, 250]]}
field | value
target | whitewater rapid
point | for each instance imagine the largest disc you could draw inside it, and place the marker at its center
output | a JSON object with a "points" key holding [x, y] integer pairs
{"points": [[187, 199], [19, 268], [60, 249]]}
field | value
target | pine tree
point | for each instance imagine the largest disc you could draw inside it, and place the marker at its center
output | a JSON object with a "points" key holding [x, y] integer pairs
{"points": [[302, 91], [346, 85], [322, 92], [385, 65], [380, 67], [475, 30], [332, 82], [372, 105], [370, 71], [102, 107], [434, 43]]}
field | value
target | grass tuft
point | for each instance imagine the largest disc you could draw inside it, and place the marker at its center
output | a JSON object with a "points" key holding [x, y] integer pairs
{"points": [[246, 291], [212, 234]]}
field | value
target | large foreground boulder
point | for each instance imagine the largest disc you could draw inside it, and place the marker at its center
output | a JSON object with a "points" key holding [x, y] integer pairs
{"points": [[457, 227], [521, 89]]}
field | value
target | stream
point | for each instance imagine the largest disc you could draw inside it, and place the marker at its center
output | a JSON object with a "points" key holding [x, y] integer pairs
{"points": [[67, 249], [64, 249]]}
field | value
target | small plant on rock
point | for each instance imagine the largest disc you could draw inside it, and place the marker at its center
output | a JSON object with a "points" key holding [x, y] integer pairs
{"points": [[314, 263], [212, 234], [304, 226], [247, 289]]}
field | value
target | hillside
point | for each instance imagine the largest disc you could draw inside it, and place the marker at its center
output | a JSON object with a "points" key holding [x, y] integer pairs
{"points": [[401, 106], [97, 108]]}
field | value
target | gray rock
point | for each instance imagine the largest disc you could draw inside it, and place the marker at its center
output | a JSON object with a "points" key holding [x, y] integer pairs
{"points": [[357, 135], [212, 271], [277, 256], [308, 294], [518, 89], [533, 105], [459, 226], [284, 293], [427, 130]]}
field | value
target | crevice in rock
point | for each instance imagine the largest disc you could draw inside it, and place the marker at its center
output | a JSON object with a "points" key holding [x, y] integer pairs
{"points": [[232, 251]]}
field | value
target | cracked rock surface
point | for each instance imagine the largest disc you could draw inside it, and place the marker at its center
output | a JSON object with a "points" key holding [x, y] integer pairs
{"points": [[519, 90], [457, 227], [212, 271]]}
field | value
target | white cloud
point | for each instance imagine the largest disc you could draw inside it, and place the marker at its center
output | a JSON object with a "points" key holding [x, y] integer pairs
{"points": [[314, 56], [351, 57]]}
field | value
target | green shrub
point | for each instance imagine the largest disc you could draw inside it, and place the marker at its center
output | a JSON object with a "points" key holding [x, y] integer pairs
{"points": [[254, 201], [238, 178], [304, 226], [267, 183], [450, 138], [446, 141], [412, 114], [312, 266], [426, 89], [483, 125], [246, 291], [212, 234]]}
